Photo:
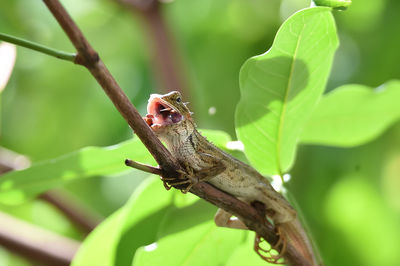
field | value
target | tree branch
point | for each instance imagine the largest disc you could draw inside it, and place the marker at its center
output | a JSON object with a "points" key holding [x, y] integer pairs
{"points": [[36, 243], [88, 57], [84, 219], [165, 59], [17, 238]]}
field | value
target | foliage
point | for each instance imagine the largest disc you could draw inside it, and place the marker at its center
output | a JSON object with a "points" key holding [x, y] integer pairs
{"points": [[18, 186], [353, 114], [348, 196], [280, 88]]}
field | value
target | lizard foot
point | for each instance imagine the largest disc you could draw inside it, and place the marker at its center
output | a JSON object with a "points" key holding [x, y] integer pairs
{"points": [[269, 257], [183, 179], [184, 182], [190, 178], [169, 182], [165, 180]]}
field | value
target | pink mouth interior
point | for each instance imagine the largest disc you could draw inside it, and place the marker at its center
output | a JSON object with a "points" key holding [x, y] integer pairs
{"points": [[161, 114]]}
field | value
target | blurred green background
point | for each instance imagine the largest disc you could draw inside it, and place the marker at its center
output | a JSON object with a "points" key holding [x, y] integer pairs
{"points": [[350, 197]]}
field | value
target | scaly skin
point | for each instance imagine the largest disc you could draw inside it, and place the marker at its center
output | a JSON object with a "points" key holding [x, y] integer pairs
{"points": [[172, 122]]}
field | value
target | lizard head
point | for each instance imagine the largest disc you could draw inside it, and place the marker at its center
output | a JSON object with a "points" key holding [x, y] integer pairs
{"points": [[169, 116]]}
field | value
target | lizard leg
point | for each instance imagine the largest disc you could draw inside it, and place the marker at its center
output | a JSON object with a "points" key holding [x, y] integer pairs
{"points": [[165, 181], [223, 219], [203, 175]]}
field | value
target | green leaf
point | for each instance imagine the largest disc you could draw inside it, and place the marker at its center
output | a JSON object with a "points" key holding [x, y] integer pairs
{"points": [[19, 186], [280, 88], [115, 240], [103, 238], [219, 138], [244, 254], [353, 115], [186, 235], [144, 213]]}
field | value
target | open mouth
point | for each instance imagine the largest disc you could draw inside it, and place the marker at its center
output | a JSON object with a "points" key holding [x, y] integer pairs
{"points": [[160, 113]]}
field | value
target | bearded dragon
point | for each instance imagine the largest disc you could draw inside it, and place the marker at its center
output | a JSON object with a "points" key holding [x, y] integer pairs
{"points": [[172, 122]]}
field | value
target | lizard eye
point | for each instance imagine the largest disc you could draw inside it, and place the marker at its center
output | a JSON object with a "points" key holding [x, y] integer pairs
{"points": [[178, 99]]}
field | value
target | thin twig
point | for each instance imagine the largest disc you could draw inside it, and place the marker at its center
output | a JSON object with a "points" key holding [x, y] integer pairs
{"points": [[38, 47], [144, 167], [88, 57]]}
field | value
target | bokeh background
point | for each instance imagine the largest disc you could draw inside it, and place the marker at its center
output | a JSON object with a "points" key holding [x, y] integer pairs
{"points": [[350, 197]]}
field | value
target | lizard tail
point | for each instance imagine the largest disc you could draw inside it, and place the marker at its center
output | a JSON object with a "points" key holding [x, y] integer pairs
{"points": [[293, 232]]}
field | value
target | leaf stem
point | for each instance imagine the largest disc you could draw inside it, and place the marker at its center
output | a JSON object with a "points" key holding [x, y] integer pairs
{"points": [[38, 47]]}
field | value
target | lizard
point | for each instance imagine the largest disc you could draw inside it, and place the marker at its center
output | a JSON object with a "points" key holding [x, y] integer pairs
{"points": [[172, 122]]}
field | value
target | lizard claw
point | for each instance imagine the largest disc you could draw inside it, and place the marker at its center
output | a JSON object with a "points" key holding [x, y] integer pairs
{"points": [[186, 190], [181, 182], [167, 187], [269, 257]]}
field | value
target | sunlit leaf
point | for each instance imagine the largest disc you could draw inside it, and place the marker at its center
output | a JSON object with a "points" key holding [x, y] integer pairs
{"points": [[188, 236], [353, 115], [244, 254], [132, 226], [280, 88], [19, 186], [104, 237], [219, 138]]}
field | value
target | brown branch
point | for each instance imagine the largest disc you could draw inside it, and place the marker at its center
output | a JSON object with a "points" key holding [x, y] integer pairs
{"points": [[89, 58], [16, 235], [166, 61], [36, 243], [83, 218]]}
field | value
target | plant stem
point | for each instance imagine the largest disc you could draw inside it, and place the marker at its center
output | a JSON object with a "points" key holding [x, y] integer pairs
{"points": [[38, 47], [84, 218], [143, 167], [36, 243]]}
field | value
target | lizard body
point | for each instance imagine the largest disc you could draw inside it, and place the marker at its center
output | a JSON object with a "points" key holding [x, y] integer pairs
{"points": [[172, 122]]}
